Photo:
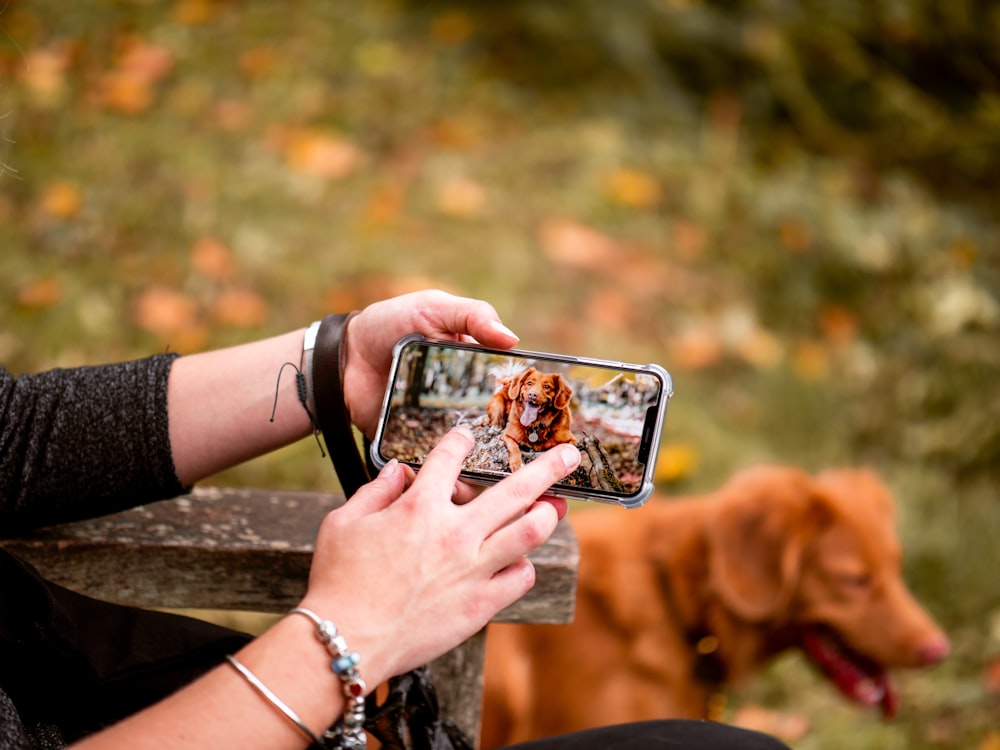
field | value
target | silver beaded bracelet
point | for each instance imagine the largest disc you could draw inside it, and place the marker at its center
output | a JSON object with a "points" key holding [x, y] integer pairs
{"points": [[349, 733]]}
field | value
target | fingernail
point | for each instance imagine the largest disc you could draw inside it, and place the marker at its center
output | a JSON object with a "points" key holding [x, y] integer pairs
{"points": [[464, 429], [570, 456], [498, 326], [390, 469]]}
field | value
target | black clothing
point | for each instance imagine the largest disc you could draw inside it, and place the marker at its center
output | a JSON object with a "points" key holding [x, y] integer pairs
{"points": [[664, 734], [80, 443], [83, 442]]}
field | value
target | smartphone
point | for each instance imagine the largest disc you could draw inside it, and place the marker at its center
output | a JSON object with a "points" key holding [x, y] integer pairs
{"points": [[520, 403]]}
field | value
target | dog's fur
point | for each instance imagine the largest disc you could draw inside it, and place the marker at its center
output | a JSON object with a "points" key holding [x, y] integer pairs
{"points": [[533, 409], [775, 559]]}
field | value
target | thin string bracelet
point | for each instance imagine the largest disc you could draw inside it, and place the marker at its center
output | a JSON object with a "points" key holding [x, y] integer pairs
{"points": [[273, 699], [350, 732], [301, 388]]}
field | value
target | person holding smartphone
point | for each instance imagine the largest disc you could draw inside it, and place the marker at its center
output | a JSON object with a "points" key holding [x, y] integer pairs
{"points": [[409, 568]]}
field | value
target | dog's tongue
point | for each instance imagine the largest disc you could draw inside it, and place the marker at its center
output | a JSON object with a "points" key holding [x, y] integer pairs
{"points": [[529, 415], [858, 679]]}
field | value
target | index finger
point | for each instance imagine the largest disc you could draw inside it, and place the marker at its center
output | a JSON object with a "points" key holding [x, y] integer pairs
{"points": [[517, 492], [444, 462]]}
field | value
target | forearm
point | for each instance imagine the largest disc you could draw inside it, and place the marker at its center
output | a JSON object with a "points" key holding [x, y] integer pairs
{"points": [[221, 710], [220, 404]]}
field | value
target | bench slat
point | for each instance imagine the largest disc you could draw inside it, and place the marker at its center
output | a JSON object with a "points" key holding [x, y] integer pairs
{"points": [[241, 549]]}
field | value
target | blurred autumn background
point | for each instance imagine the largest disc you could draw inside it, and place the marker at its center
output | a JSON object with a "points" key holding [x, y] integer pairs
{"points": [[790, 204]]}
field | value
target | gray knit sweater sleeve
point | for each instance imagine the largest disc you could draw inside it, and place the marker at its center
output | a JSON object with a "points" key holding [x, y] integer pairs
{"points": [[83, 442]]}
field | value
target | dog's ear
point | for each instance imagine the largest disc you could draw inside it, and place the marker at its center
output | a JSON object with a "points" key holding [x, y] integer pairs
{"points": [[563, 393], [762, 523], [514, 389]]}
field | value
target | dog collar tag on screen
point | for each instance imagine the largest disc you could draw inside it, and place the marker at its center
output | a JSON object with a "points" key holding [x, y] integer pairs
{"points": [[533, 437]]}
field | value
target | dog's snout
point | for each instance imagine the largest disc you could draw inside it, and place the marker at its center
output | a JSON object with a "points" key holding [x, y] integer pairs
{"points": [[933, 650]]}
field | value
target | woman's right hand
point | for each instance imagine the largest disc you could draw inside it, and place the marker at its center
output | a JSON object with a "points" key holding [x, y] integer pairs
{"points": [[406, 573]]}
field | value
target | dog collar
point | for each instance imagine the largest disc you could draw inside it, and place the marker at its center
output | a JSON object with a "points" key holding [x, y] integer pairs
{"points": [[536, 433]]}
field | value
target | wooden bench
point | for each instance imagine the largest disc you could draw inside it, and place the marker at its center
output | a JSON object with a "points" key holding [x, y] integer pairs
{"points": [[249, 550]]}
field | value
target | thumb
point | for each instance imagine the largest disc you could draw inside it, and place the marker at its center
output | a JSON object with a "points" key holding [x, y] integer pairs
{"points": [[379, 493]]}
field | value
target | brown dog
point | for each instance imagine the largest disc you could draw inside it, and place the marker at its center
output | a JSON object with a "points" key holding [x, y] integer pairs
{"points": [[681, 597], [533, 408]]}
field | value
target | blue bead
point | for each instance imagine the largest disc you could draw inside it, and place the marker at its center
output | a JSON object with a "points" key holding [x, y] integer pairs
{"points": [[344, 664]]}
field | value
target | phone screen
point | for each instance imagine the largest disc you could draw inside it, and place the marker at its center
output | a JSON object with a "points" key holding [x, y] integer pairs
{"points": [[518, 404]]}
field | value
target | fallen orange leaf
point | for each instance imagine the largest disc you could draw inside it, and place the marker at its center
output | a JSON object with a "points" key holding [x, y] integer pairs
{"points": [[232, 115], [990, 742], [62, 199], [194, 12], [695, 349], [610, 308], [321, 154], [811, 361], [126, 93], [795, 235], [455, 133], [385, 203], [146, 61], [129, 88], [40, 293], [760, 349], [964, 252], [461, 198], [689, 240], [240, 309], [212, 259], [839, 324], [633, 188], [574, 245], [992, 676], [44, 73], [164, 311], [258, 61]]}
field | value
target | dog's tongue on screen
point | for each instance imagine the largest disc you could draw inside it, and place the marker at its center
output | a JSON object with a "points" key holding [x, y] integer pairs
{"points": [[529, 414]]}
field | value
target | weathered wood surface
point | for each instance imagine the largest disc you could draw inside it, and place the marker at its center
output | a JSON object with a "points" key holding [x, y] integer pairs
{"points": [[237, 549], [250, 550]]}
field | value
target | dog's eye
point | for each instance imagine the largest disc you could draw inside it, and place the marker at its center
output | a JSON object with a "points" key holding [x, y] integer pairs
{"points": [[856, 580]]}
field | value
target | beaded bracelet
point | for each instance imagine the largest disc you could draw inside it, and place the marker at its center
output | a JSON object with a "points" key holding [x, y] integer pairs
{"points": [[350, 732]]}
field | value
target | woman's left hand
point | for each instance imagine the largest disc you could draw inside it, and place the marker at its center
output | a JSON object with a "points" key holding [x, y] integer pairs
{"points": [[373, 333]]}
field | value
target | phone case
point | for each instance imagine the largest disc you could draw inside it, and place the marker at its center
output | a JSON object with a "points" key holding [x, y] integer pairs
{"points": [[520, 402]]}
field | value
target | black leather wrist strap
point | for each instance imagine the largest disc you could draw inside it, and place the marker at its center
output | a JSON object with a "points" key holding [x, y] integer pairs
{"points": [[331, 412]]}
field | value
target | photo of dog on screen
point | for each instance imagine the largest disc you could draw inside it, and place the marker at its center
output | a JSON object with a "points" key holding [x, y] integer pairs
{"points": [[518, 408]]}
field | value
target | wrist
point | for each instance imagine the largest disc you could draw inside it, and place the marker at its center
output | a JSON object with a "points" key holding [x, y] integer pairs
{"points": [[289, 662], [344, 663]]}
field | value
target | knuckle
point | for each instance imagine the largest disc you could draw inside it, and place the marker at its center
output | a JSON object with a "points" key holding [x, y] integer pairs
{"points": [[538, 526]]}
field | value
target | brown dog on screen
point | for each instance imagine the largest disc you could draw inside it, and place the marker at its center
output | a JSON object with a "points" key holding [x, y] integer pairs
{"points": [[533, 409]]}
